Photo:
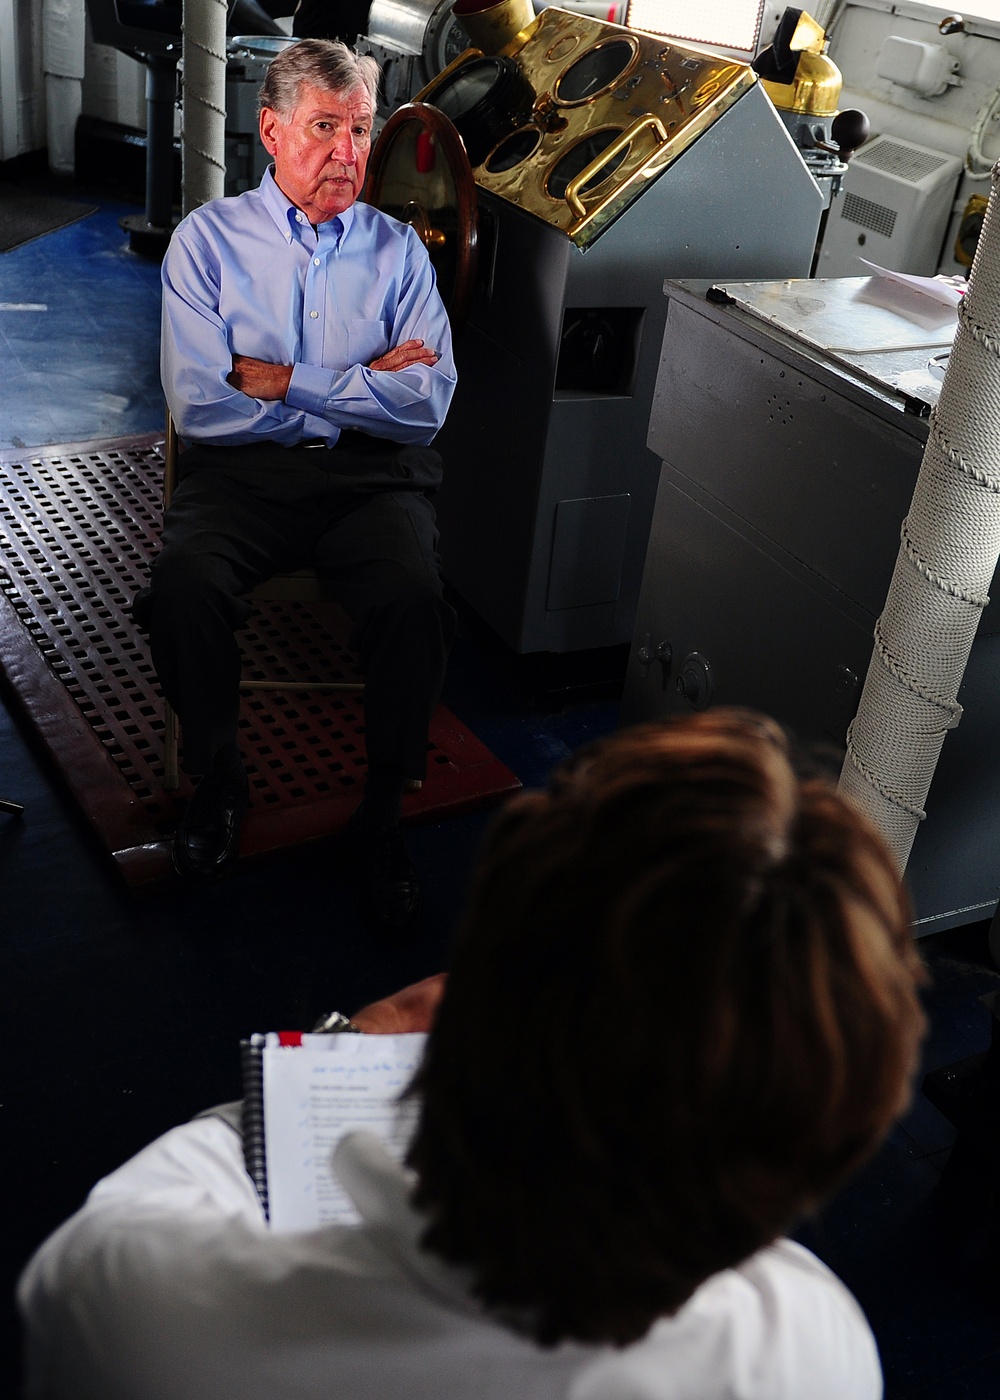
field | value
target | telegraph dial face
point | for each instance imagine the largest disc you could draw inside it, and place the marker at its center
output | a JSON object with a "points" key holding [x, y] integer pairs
{"points": [[456, 41], [444, 40]]}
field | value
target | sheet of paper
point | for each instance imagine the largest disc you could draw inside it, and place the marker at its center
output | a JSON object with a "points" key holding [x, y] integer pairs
{"points": [[313, 1095], [942, 292]]}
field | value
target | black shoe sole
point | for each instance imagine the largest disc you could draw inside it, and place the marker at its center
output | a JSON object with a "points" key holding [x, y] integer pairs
{"points": [[192, 872], [391, 929], [190, 869]]}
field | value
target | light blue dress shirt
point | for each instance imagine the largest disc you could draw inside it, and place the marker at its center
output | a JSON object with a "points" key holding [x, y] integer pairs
{"points": [[251, 276]]}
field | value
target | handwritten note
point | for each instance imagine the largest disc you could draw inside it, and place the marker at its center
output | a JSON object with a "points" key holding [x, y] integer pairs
{"points": [[313, 1095]]}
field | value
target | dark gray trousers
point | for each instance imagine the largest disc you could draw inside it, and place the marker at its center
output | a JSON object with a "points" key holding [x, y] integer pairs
{"points": [[360, 515]]}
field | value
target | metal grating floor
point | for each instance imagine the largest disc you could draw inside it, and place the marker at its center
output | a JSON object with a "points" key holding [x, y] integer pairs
{"points": [[78, 527]]}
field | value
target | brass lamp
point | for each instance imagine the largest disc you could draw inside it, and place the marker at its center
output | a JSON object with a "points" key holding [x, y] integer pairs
{"points": [[797, 74]]}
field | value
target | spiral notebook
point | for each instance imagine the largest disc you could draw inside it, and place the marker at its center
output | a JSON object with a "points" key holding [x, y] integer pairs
{"points": [[301, 1094]]}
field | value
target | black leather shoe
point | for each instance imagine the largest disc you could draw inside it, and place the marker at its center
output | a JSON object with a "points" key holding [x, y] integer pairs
{"points": [[207, 843], [389, 893]]}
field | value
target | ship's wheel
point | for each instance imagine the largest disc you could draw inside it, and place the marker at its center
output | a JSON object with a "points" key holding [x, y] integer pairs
{"points": [[419, 172]]}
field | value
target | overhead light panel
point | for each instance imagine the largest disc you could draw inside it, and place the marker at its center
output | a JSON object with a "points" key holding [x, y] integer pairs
{"points": [[716, 24]]}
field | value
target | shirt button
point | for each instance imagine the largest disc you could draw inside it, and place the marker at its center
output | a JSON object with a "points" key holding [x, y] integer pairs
{"points": [[313, 315], [298, 218], [315, 262]]}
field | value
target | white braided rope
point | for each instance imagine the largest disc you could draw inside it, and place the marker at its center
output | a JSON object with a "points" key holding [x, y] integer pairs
{"points": [[953, 590], [203, 86], [208, 159], [980, 477], [949, 545], [950, 707], [218, 54], [975, 330], [871, 778]]}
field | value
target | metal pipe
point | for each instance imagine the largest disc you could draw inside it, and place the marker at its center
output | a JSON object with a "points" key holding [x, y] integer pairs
{"points": [[161, 93]]}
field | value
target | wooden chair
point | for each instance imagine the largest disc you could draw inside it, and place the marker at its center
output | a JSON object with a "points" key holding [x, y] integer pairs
{"points": [[304, 586]]}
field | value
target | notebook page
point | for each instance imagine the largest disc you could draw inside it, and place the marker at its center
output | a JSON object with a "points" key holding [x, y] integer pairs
{"points": [[313, 1095]]}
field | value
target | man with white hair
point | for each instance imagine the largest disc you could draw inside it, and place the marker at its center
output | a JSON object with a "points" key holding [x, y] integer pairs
{"points": [[307, 363]]}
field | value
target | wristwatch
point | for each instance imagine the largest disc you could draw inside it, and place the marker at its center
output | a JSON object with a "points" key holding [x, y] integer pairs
{"points": [[334, 1023]]}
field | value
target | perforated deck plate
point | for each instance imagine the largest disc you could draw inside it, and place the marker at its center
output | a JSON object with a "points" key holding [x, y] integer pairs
{"points": [[79, 524]]}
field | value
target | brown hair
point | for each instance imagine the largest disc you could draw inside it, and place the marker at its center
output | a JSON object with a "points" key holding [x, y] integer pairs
{"points": [[682, 1008], [324, 63]]}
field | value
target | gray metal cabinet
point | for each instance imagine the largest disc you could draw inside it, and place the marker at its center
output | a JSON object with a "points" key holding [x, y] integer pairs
{"points": [[786, 472]]}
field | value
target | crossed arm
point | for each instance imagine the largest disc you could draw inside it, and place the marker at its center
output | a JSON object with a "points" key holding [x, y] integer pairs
{"points": [[260, 380]]}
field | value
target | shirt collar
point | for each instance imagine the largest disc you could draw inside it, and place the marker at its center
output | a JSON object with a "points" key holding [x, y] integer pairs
{"points": [[380, 1190], [283, 211], [378, 1185]]}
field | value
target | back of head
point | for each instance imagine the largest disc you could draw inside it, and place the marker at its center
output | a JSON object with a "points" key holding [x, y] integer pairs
{"points": [[322, 63], [682, 1008]]}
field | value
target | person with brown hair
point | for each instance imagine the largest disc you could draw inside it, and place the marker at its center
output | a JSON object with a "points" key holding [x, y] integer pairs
{"points": [[683, 1006], [707, 985]]}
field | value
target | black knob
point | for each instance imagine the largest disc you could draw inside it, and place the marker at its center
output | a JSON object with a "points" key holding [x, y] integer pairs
{"points": [[849, 130], [695, 681]]}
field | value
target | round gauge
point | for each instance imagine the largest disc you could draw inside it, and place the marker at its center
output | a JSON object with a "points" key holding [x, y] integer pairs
{"points": [[485, 98], [454, 42], [513, 149], [578, 157], [444, 40], [468, 87], [595, 71]]}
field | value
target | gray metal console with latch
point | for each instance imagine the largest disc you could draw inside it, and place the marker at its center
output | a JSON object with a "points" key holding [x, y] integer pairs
{"points": [[790, 418]]}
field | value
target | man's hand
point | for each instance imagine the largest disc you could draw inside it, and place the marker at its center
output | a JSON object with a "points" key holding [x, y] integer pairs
{"points": [[258, 379], [412, 1009], [411, 352]]}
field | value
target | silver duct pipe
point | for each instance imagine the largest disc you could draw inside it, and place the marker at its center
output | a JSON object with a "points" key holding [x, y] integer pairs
{"points": [[204, 102], [950, 542]]}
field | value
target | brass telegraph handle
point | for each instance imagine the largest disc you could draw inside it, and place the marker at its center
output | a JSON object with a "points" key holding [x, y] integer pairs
{"points": [[625, 138]]}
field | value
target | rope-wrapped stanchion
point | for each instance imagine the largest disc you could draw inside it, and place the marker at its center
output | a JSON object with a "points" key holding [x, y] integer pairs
{"points": [[204, 102], [949, 545]]}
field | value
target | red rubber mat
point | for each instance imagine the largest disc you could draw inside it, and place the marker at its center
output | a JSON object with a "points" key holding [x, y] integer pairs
{"points": [[79, 524]]}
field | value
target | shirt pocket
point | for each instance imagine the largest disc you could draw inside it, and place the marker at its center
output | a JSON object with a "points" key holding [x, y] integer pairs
{"points": [[366, 341]]}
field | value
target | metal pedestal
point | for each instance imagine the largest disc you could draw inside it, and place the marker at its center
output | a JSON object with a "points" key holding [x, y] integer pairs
{"points": [[549, 485], [149, 232]]}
